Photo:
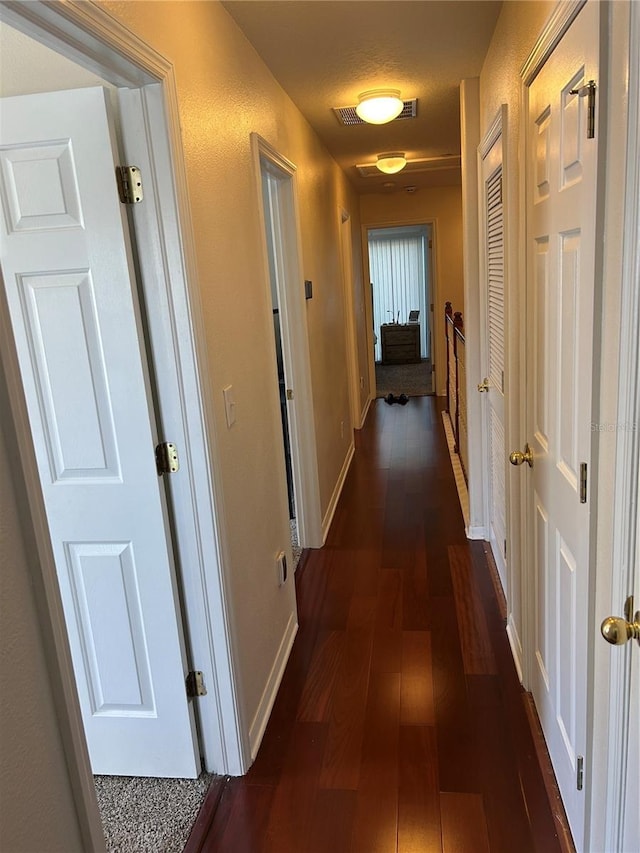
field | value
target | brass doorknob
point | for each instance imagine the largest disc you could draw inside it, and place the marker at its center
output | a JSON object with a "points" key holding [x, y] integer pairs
{"points": [[517, 457], [618, 630], [484, 385]]}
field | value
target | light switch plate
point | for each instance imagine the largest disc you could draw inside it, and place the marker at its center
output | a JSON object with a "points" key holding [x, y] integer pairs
{"points": [[229, 405]]}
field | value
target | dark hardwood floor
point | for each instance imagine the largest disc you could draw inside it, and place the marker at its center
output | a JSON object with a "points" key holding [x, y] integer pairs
{"points": [[400, 725]]}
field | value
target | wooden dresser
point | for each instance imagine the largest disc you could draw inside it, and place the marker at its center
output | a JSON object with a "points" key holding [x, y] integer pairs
{"points": [[400, 343]]}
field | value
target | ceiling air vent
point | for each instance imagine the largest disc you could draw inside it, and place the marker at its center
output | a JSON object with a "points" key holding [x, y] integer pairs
{"points": [[349, 117]]}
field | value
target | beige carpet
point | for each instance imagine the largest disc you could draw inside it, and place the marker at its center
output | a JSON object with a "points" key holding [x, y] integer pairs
{"points": [[149, 815], [414, 380]]}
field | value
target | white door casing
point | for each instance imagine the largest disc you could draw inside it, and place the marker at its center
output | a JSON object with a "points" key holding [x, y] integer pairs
{"points": [[75, 319], [561, 215], [286, 242], [492, 251], [346, 259]]}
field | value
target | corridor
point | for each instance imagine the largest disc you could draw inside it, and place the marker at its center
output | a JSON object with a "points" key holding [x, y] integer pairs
{"points": [[400, 724]]}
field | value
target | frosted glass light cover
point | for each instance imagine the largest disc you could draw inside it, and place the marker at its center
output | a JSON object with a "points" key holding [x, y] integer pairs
{"points": [[391, 163], [379, 106]]}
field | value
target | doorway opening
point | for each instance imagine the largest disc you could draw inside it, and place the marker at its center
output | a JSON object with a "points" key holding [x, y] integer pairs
{"points": [[165, 291], [400, 272], [277, 196]]}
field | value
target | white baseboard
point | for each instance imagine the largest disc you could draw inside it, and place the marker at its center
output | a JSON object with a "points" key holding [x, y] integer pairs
{"points": [[365, 412], [263, 713], [335, 497], [476, 531], [516, 646]]}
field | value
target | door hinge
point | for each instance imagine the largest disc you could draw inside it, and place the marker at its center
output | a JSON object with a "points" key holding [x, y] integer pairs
{"points": [[167, 461], [289, 393], [129, 184], [580, 773], [502, 381], [583, 482], [588, 91], [195, 684], [505, 549]]}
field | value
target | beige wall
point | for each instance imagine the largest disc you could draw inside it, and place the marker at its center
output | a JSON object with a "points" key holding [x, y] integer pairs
{"points": [[37, 809], [225, 92], [443, 207]]}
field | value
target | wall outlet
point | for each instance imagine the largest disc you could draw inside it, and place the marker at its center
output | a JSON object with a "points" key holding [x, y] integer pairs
{"points": [[281, 568]]}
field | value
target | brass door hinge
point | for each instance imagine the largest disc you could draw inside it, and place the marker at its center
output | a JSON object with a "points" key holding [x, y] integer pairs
{"points": [[129, 181], [195, 684], [167, 461], [583, 482], [588, 91]]}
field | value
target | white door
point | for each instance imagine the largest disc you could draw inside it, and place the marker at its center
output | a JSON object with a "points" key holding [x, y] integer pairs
{"points": [[493, 298], [68, 277], [561, 199]]}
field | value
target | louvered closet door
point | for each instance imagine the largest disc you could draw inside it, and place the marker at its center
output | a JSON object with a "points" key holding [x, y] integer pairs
{"points": [[494, 410]]}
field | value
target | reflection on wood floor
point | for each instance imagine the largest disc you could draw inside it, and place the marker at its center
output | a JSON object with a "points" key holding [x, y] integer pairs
{"points": [[400, 725]]}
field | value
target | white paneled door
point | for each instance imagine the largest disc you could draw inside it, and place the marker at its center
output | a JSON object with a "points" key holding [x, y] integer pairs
{"points": [[73, 308], [561, 200]]}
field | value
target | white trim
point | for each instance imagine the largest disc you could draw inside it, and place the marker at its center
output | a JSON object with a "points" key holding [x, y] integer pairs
{"points": [[171, 317], [495, 130], [295, 343], [335, 497], [365, 411], [87, 34], [627, 462], [476, 531], [516, 646], [475, 457], [559, 22], [261, 718]]}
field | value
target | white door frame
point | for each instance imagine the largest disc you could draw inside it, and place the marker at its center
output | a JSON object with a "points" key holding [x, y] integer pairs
{"points": [[617, 712], [86, 34], [295, 342], [499, 127]]}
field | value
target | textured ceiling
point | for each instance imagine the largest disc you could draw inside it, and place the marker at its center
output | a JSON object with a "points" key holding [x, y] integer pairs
{"points": [[325, 52]]}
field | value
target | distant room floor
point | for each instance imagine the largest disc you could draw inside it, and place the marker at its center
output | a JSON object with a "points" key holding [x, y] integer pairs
{"points": [[414, 380]]}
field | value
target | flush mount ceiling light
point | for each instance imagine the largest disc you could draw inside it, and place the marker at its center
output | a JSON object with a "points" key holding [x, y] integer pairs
{"points": [[391, 163], [378, 106]]}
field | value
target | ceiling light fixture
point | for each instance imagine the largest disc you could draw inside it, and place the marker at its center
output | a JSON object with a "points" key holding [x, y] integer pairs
{"points": [[378, 106], [391, 163]]}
